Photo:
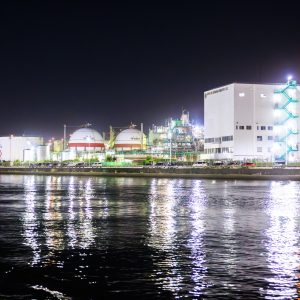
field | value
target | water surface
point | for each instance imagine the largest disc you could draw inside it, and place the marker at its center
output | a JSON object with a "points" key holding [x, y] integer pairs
{"points": [[142, 238]]}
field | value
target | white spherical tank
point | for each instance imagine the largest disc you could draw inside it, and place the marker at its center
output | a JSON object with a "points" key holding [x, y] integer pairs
{"points": [[130, 139], [86, 139]]}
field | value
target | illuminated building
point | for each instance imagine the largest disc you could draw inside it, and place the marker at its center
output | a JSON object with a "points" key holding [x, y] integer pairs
{"points": [[178, 138], [252, 121], [23, 148]]}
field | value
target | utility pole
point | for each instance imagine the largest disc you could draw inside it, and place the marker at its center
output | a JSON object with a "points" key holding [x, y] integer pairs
{"points": [[142, 133], [65, 137]]}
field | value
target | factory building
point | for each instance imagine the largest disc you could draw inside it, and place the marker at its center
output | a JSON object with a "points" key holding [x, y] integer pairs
{"points": [[252, 122], [180, 137], [23, 148]]}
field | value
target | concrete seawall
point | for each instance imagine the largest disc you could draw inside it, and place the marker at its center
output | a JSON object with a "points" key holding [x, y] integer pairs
{"points": [[211, 173]]}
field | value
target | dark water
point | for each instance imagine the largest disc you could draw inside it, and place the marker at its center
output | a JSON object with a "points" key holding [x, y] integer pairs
{"points": [[136, 238]]}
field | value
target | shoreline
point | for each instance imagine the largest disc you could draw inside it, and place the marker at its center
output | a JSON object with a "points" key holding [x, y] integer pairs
{"points": [[229, 174]]}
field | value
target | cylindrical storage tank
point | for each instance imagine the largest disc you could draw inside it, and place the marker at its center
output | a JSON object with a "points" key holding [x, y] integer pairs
{"points": [[68, 155], [130, 139], [28, 155], [42, 153], [86, 139]]}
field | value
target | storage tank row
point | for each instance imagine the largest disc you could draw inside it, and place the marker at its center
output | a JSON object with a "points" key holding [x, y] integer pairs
{"points": [[88, 139], [82, 142]]}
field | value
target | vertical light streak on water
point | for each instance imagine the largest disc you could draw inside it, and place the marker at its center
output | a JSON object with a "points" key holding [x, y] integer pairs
{"points": [[53, 232], [86, 227], [71, 232], [163, 233], [197, 202], [30, 219], [282, 248], [230, 241]]}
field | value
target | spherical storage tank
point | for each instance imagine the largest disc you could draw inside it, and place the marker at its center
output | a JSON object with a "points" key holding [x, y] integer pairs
{"points": [[86, 139], [130, 139]]}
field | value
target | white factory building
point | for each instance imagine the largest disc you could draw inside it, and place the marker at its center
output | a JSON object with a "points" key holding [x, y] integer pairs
{"points": [[252, 122], [23, 148]]}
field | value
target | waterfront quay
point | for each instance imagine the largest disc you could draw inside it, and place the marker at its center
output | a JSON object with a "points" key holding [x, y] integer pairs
{"points": [[258, 173]]}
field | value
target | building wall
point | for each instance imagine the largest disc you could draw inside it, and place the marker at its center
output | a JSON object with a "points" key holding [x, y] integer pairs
{"points": [[254, 112], [245, 111], [219, 122], [12, 147]]}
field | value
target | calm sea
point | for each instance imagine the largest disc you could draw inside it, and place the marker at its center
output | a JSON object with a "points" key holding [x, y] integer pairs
{"points": [[142, 238]]}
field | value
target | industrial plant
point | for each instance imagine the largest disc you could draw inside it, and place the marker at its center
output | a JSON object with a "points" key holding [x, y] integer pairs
{"points": [[242, 122], [177, 139]]}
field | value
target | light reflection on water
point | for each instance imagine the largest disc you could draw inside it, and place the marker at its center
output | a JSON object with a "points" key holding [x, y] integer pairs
{"points": [[30, 219], [282, 239], [211, 239]]}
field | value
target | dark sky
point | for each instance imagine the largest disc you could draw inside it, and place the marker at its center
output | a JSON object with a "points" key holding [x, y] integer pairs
{"points": [[110, 63]]}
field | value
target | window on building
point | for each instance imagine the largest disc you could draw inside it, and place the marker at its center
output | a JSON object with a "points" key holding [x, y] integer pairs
{"points": [[270, 138], [259, 149], [259, 138], [236, 127], [242, 94], [227, 138], [248, 127], [241, 127], [257, 127], [209, 140], [270, 127], [269, 149], [263, 127]]}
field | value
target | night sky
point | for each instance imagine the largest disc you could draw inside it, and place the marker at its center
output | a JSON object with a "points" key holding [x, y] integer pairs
{"points": [[73, 62]]}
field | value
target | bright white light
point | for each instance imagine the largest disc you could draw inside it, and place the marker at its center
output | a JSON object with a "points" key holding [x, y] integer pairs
{"points": [[291, 158], [290, 77], [275, 148], [263, 96], [291, 93], [277, 112], [242, 94], [277, 129], [276, 98]]}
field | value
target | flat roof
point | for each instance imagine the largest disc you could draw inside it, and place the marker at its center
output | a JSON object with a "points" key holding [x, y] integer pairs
{"points": [[253, 83]]}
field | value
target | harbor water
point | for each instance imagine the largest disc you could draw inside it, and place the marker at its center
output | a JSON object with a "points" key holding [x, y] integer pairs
{"points": [[71, 237]]}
